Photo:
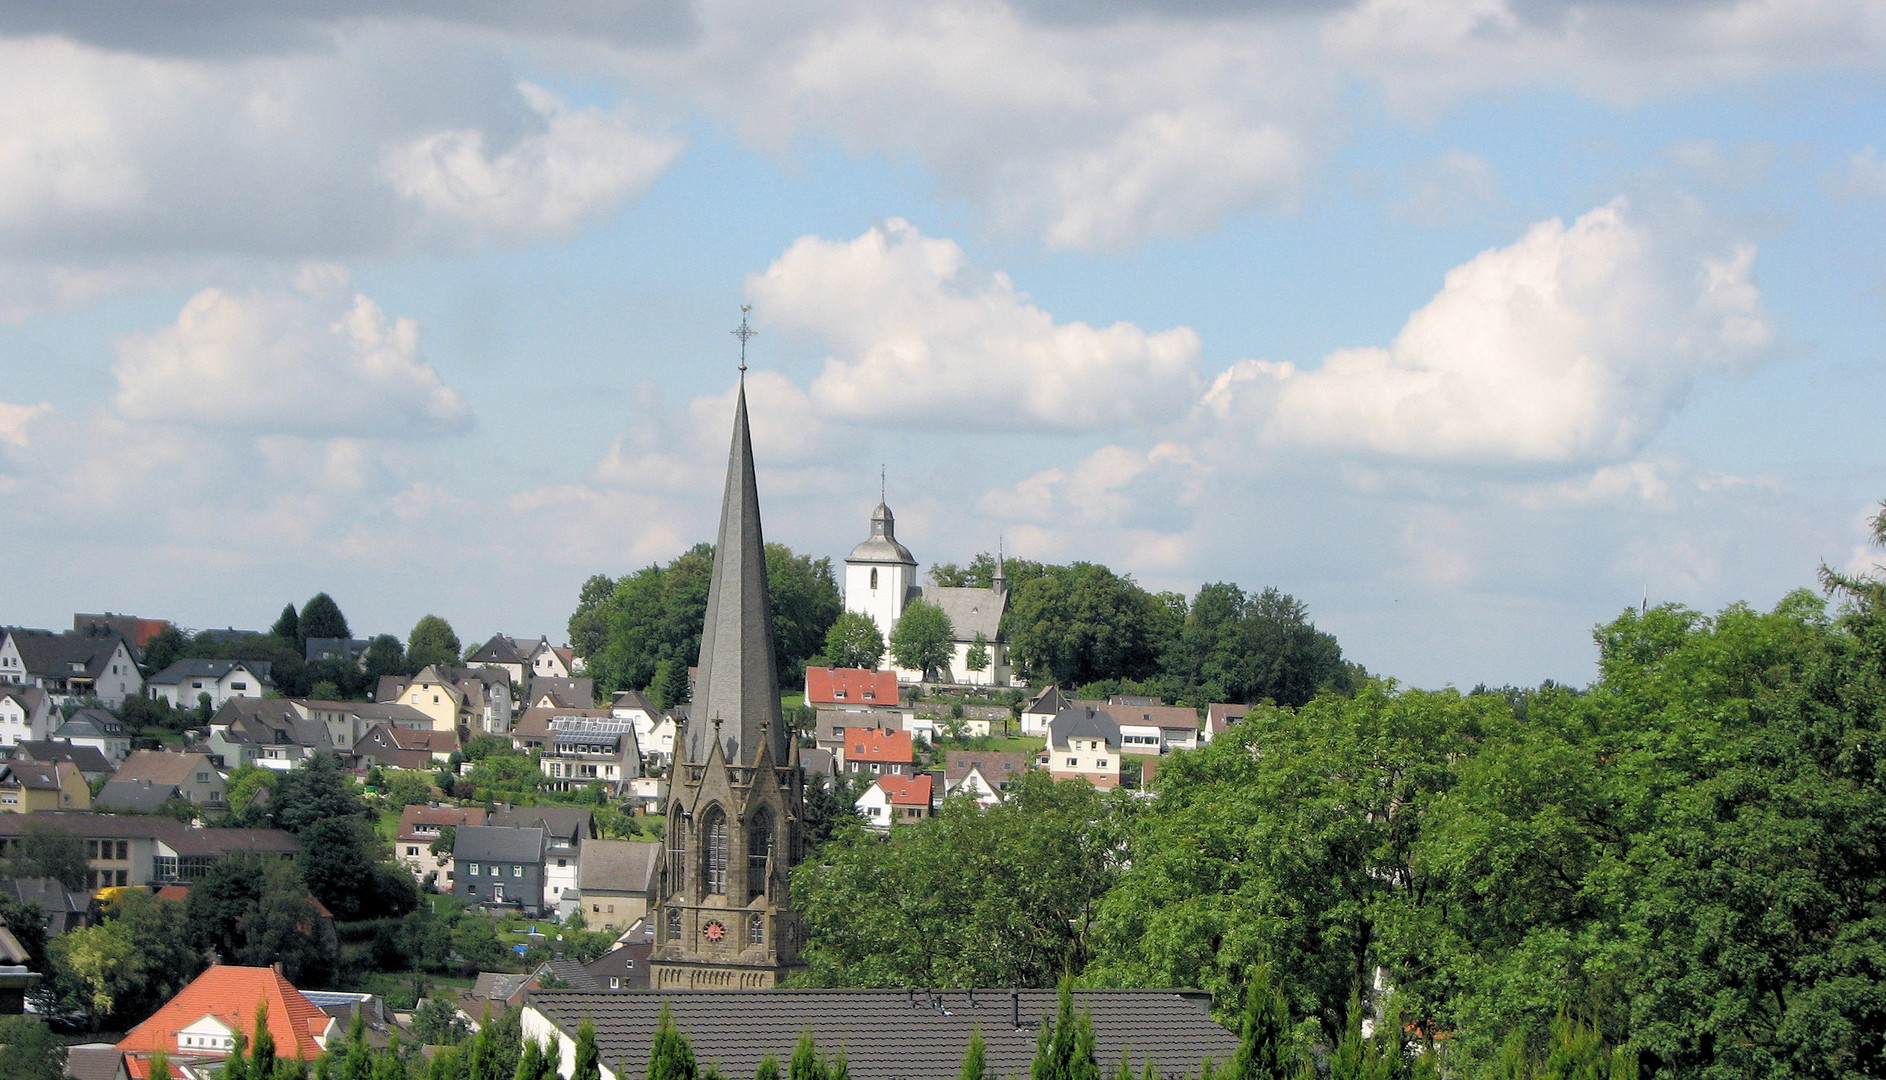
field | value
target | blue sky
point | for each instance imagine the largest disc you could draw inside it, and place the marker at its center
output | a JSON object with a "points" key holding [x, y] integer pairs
{"points": [[1465, 321]]}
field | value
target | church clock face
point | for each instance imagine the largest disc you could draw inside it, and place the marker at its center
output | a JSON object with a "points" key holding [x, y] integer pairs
{"points": [[713, 931]]}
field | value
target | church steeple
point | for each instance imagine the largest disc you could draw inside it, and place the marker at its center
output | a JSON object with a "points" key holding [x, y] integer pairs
{"points": [[737, 686]]}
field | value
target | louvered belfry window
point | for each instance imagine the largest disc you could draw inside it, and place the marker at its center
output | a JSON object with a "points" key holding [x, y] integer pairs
{"points": [[759, 846], [714, 849]]}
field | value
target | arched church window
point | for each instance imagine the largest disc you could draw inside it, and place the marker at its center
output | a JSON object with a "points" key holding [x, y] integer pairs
{"points": [[674, 924], [756, 929], [874, 577], [759, 848], [677, 846], [714, 852]]}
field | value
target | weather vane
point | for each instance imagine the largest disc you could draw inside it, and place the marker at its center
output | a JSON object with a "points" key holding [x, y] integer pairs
{"points": [[743, 333]]}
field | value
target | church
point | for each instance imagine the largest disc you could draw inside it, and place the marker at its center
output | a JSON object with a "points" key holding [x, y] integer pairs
{"points": [[881, 580]]}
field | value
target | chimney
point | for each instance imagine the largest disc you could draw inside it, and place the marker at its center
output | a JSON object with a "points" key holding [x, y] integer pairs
{"points": [[1015, 1009]]}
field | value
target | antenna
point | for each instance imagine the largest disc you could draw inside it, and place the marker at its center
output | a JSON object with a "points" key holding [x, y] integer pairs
{"points": [[743, 332]]}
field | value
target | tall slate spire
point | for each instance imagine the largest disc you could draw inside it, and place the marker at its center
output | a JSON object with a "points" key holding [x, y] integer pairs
{"points": [[738, 683]]}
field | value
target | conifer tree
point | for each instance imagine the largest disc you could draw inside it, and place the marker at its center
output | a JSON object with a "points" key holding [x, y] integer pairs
{"points": [[974, 1067], [1064, 1050], [236, 1065], [1350, 1061], [768, 1070], [1263, 1047], [588, 1064], [530, 1062], [670, 1058], [262, 1057], [838, 1068], [160, 1066], [359, 1064], [805, 1060]]}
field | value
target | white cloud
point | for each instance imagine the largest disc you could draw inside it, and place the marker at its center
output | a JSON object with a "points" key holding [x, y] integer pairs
{"points": [[1864, 175], [313, 360], [582, 161], [920, 336], [15, 419], [1572, 345]]}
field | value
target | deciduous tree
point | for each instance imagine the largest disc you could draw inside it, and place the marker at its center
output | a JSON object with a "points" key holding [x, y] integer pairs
{"points": [[923, 638], [432, 641], [854, 641]]}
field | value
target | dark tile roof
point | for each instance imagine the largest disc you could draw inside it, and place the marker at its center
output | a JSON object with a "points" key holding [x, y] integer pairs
{"points": [[91, 724], [573, 973], [88, 759], [478, 843], [138, 796], [1083, 723], [502, 649], [620, 865], [892, 1034], [211, 669], [49, 655], [560, 821], [94, 1062]]}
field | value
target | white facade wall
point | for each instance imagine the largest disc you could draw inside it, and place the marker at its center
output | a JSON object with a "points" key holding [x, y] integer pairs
{"points": [[12, 668], [878, 590], [240, 682], [121, 679]]}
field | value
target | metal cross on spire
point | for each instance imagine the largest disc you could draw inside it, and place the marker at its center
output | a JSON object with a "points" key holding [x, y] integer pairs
{"points": [[743, 333], [880, 483]]}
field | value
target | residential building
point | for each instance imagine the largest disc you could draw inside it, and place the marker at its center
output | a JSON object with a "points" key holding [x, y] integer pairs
{"points": [[502, 651], [394, 747], [143, 849], [624, 967], [1219, 716], [63, 909], [349, 721], [829, 726], [133, 629], [726, 919], [620, 880], [1041, 710], [500, 866], [96, 663], [1084, 742], [562, 692], [886, 1034], [896, 800], [270, 732], [566, 830], [26, 714], [92, 765], [982, 775], [634, 705], [185, 683], [98, 729], [475, 698], [193, 777], [579, 747], [28, 787], [851, 689], [554, 661], [881, 580], [877, 752], [211, 1016], [1148, 727], [420, 827], [347, 650]]}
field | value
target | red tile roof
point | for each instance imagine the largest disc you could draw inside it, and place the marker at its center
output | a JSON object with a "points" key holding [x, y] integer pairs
{"points": [[414, 816], [907, 790], [850, 686], [878, 744], [231, 994]]}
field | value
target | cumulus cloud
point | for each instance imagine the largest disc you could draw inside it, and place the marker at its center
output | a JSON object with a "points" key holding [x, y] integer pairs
{"points": [[1572, 345], [313, 360], [920, 336], [14, 420]]}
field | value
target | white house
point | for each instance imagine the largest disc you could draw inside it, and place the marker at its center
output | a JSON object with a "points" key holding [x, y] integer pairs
{"points": [[896, 799], [976, 786], [25, 714], [182, 682], [95, 663], [98, 729], [1041, 711], [1084, 742], [555, 661]]}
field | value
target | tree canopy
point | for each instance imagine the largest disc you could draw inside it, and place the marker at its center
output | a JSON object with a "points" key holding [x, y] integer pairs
{"points": [[854, 641], [923, 639], [432, 641], [321, 618]]}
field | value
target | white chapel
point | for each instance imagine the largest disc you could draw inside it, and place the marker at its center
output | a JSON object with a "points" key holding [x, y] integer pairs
{"points": [[881, 578]]}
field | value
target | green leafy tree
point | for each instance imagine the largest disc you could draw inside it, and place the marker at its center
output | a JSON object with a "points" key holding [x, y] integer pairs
{"points": [[975, 1067], [120, 970], [589, 624], [978, 657], [923, 639], [806, 1063], [854, 641], [1081, 623], [321, 618], [587, 1061], [432, 641], [409, 789], [1250, 648], [29, 1051], [288, 627], [48, 850], [805, 601], [384, 656], [670, 1057], [315, 791], [27, 923]]}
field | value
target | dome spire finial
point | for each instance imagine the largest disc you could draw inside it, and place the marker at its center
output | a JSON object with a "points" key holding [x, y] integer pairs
{"points": [[743, 332]]}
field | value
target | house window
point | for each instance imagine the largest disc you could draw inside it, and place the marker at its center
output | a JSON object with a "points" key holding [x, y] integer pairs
{"points": [[123, 876], [124, 850], [91, 849], [756, 929], [1101, 764], [615, 983], [411, 850], [1073, 762], [472, 869], [517, 871], [838, 695], [674, 924], [238, 686]]}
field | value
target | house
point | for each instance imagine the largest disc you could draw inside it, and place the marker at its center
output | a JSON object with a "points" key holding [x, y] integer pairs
{"points": [[619, 882], [877, 752], [97, 1061], [850, 689], [896, 800], [500, 866], [349, 721], [193, 777], [96, 663], [91, 764], [421, 827], [207, 1018], [624, 967], [1148, 727], [975, 614], [98, 729], [476, 698], [982, 774], [269, 732], [141, 849], [885, 1034], [1084, 742], [346, 650], [562, 692], [1219, 716], [63, 909], [27, 787], [634, 705], [133, 629], [26, 714], [394, 747], [566, 829], [184, 683], [555, 661], [1041, 710], [579, 747], [509, 653], [829, 726]]}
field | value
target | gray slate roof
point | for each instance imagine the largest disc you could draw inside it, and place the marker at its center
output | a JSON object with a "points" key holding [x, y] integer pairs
{"points": [[620, 865], [892, 1034], [96, 1062], [49, 655], [481, 843], [139, 796], [210, 669], [882, 546], [558, 821], [91, 724], [1085, 723], [971, 610], [88, 759], [739, 679]]}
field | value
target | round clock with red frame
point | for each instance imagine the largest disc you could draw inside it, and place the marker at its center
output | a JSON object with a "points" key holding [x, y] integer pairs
{"points": [[713, 931]]}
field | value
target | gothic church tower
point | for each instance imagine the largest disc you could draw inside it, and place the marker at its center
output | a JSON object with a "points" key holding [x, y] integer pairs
{"points": [[725, 920]]}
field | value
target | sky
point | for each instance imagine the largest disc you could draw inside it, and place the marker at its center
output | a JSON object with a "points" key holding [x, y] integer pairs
{"points": [[1469, 323]]}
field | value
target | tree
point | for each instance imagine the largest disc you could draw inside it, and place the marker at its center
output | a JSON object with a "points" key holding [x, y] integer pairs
{"points": [[804, 595], [1081, 623], [432, 641], [589, 624], [923, 638], [437, 1023], [315, 791], [120, 970], [586, 1062], [768, 1069], [978, 658], [29, 1051], [1064, 1047], [47, 850], [669, 687], [974, 1065], [164, 648], [257, 912], [385, 656], [262, 1045], [288, 627], [27, 923], [669, 1058], [1250, 648], [854, 641], [321, 618], [806, 1063], [1264, 1051]]}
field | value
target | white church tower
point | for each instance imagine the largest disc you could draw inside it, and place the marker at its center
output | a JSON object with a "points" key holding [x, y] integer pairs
{"points": [[880, 573]]}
